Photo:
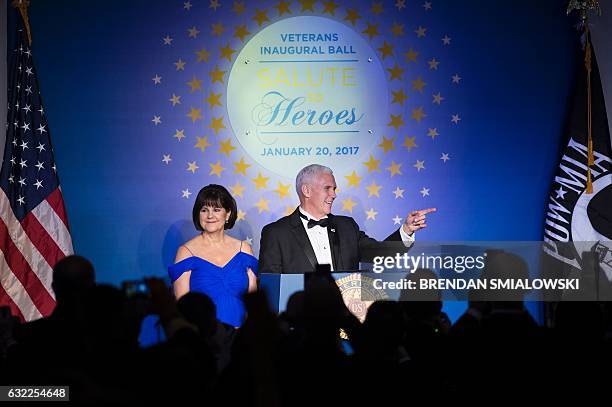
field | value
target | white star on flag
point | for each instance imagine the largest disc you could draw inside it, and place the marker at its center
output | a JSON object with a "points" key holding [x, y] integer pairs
{"points": [[187, 5], [446, 40], [40, 166], [156, 120], [420, 165], [41, 147], [561, 193], [455, 118], [456, 78], [41, 129], [424, 192], [167, 158], [157, 79], [397, 220], [186, 193], [38, 184], [445, 157], [427, 5], [167, 40]]}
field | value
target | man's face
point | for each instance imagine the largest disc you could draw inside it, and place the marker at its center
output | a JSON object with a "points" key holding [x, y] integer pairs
{"points": [[320, 195]]}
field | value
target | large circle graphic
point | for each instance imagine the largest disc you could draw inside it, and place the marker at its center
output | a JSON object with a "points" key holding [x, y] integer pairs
{"points": [[307, 90]]}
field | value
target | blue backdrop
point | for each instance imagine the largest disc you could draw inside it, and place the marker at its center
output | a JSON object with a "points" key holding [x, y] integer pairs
{"points": [[127, 208]]}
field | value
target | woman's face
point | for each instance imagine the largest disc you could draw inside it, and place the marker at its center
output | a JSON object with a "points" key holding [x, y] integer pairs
{"points": [[213, 218]]}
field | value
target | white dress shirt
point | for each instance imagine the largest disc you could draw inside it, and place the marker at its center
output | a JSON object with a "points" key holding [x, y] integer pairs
{"points": [[319, 239]]}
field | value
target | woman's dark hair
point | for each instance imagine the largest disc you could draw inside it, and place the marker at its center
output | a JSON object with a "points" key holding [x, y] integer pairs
{"points": [[217, 197]]}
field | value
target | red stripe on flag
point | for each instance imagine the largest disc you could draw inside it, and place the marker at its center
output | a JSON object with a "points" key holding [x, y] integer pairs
{"points": [[22, 270], [42, 240], [56, 201], [6, 300]]}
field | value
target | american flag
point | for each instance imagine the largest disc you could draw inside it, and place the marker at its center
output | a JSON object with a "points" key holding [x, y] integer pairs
{"points": [[34, 231]]}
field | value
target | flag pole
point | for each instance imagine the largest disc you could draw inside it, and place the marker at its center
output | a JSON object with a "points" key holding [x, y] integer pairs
{"points": [[584, 7], [22, 6]]}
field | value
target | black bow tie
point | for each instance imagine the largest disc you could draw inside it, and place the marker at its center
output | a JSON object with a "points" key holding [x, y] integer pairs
{"points": [[312, 223]]}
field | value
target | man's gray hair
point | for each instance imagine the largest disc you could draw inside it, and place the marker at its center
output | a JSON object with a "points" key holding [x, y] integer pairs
{"points": [[308, 174]]}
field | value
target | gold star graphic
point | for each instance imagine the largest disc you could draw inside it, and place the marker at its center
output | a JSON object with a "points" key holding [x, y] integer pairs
{"points": [[386, 50], [433, 133], [216, 75], [372, 164], [202, 55], [241, 215], [348, 205], [262, 205], [176, 100], [241, 32], [399, 97], [213, 99], [283, 7], [218, 29], [418, 84], [237, 189], [352, 16], [238, 7], [387, 144], [371, 31], [282, 190], [418, 114], [192, 166], [373, 189], [180, 134], [289, 210], [411, 55], [409, 143], [195, 114], [377, 8], [396, 72], [226, 146], [226, 52], [394, 168], [371, 214], [180, 65], [397, 29], [260, 16], [216, 124], [216, 169], [396, 121], [330, 7], [241, 167], [307, 5], [437, 98], [260, 181], [202, 143], [195, 84], [353, 180]]}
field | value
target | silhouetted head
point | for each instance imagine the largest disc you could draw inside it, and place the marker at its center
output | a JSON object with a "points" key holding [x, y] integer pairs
{"points": [[199, 309], [73, 276]]}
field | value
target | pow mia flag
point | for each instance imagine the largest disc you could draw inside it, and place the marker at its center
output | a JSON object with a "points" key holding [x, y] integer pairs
{"points": [[578, 223]]}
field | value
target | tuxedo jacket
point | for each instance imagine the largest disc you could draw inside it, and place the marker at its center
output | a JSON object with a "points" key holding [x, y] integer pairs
{"points": [[285, 247]]}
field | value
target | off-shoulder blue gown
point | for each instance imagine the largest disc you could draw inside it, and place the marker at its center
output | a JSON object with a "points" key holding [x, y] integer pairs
{"points": [[224, 285]]}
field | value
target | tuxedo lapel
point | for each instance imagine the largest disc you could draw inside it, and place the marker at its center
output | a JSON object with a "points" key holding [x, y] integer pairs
{"points": [[297, 228], [334, 242]]}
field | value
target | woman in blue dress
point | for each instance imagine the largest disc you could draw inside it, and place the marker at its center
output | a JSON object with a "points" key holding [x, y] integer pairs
{"points": [[214, 263]]}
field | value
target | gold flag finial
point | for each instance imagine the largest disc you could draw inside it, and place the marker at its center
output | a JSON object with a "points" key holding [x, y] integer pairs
{"points": [[23, 5]]}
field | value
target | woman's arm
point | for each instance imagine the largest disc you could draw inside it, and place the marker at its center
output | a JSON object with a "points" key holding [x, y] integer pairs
{"points": [[252, 277], [181, 284]]}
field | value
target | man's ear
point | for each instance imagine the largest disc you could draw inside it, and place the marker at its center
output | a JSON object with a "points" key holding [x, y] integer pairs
{"points": [[306, 190]]}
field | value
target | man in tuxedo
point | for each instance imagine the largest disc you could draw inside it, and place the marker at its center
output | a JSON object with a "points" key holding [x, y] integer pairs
{"points": [[312, 236]]}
